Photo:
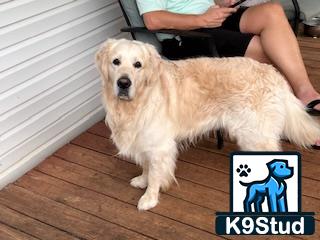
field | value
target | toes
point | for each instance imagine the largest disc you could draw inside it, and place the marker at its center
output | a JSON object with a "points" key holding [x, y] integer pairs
{"points": [[147, 202], [139, 182]]}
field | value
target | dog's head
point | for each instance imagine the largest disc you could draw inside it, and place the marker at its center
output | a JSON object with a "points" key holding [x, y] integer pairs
{"points": [[279, 168], [127, 66]]}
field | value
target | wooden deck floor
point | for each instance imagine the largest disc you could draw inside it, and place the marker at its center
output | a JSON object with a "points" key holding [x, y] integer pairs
{"points": [[83, 191]]}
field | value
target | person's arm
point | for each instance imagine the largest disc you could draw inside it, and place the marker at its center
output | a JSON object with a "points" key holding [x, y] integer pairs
{"points": [[225, 3], [212, 18]]}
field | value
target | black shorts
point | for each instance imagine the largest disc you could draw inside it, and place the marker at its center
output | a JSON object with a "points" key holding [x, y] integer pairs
{"points": [[228, 39]]}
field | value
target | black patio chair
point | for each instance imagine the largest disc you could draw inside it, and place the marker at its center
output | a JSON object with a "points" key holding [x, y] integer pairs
{"points": [[292, 10], [139, 32], [298, 11]]}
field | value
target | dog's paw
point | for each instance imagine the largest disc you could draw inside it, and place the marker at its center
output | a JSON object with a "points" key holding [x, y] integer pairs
{"points": [[147, 202], [139, 182], [243, 171]]}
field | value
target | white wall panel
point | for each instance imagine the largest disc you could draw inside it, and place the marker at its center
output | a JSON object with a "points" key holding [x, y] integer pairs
{"points": [[49, 86], [38, 24]]}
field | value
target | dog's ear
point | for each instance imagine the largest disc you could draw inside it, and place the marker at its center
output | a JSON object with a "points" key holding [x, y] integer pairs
{"points": [[103, 51], [271, 166], [101, 58], [153, 54]]}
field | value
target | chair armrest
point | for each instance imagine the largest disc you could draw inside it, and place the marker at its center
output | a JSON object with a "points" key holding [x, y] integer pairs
{"points": [[183, 33]]}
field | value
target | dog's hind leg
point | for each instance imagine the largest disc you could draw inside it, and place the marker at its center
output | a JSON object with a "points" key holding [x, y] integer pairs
{"points": [[161, 168], [247, 204], [258, 204], [251, 197], [261, 132], [257, 142]]}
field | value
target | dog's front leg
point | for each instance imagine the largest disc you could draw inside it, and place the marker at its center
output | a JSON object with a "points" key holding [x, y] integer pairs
{"points": [[272, 202], [283, 204], [160, 174], [142, 180]]}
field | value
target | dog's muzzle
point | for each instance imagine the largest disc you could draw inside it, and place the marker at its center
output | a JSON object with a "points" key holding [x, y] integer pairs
{"points": [[124, 84]]}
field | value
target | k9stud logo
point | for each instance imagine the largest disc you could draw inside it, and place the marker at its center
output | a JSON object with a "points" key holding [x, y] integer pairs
{"points": [[265, 196]]}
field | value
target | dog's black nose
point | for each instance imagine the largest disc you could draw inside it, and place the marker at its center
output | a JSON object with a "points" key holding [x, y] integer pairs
{"points": [[124, 83]]}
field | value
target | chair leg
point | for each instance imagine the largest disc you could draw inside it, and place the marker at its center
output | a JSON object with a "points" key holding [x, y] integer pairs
{"points": [[219, 139], [296, 20]]}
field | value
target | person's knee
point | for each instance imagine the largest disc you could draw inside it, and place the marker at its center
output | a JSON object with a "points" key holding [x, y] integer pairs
{"points": [[273, 12], [255, 50]]}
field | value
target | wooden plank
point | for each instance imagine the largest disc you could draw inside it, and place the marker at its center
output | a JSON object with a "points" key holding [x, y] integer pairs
{"points": [[308, 183], [200, 195], [310, 55], [96, 143], [222, 164], [8, 233], [110, 209], [78, 223], [309, 42], [31, 226], [171, 208], [100, 129], [207, 177], [207, 158], [119, 188], [186, 190], [203, 156], [312, 65], [309, 156]]}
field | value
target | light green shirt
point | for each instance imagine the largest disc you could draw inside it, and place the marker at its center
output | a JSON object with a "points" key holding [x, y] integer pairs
{"points": [[175, 6]]}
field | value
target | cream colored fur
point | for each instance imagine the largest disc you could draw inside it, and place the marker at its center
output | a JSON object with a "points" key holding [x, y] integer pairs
{"points": [[173, 101]]}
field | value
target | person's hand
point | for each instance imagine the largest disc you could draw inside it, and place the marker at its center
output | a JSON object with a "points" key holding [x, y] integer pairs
{"points": [[225, 3], [215, 16]]}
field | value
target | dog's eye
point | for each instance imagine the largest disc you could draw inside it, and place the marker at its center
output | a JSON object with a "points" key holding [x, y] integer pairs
{"points": [[116, 62], [281, 166], [137, 64]]}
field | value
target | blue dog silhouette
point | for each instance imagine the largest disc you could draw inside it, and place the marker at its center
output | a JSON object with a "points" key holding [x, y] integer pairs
{"points": [[274, 188]]}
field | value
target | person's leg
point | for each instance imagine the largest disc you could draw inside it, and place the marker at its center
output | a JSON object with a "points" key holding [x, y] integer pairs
{"points": [[279, 44], [256, 51]]}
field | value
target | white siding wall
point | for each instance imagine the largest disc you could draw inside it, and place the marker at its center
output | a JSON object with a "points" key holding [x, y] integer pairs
{"points": [[49, 87]]}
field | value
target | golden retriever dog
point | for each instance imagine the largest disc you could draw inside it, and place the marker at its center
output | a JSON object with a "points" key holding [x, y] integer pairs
{"points": [[153, 104]]}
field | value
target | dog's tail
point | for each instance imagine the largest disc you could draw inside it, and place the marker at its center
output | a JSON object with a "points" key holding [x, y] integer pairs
{"points": [[244, 183], [300, 128]]}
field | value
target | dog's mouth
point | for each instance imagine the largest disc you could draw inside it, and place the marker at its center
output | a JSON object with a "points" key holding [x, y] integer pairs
{"points": [[124, 95]]}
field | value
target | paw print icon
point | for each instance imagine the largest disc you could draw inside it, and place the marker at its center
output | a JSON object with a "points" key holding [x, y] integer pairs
{"points": [[243, 170]]}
